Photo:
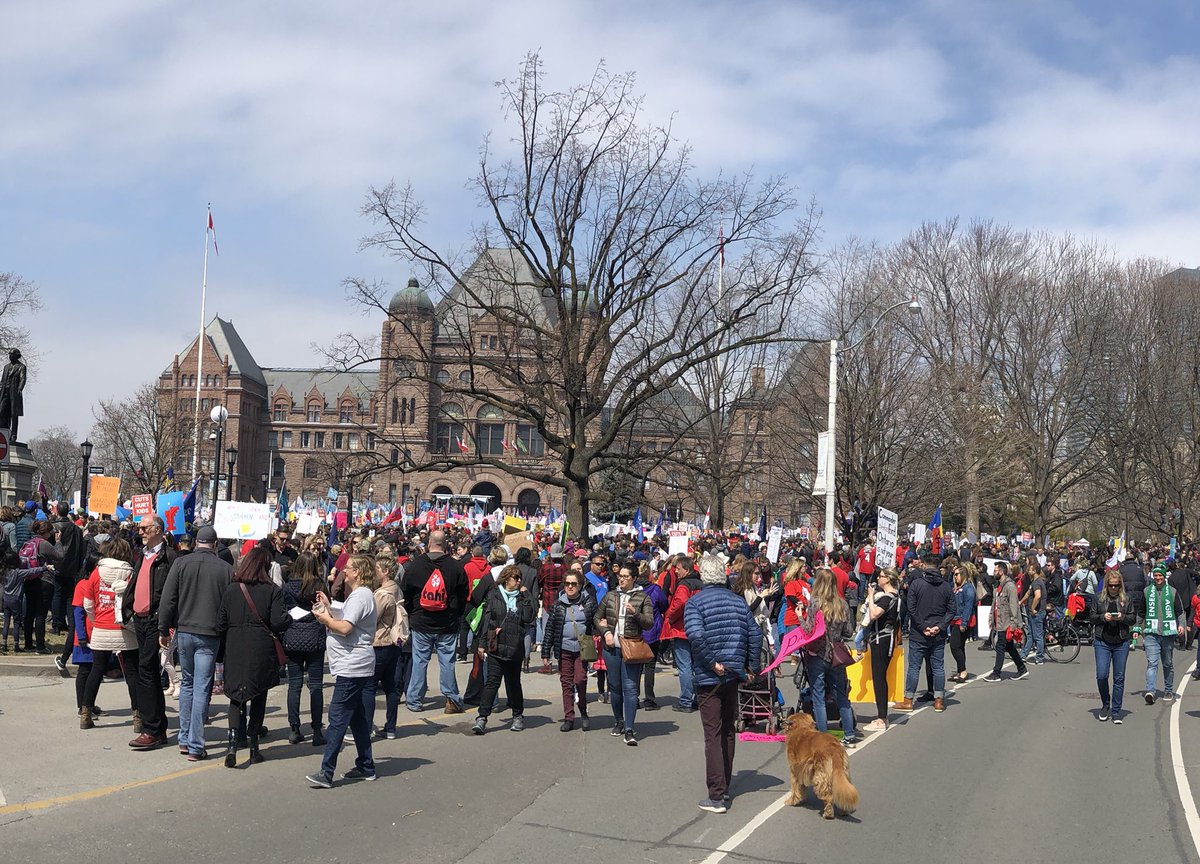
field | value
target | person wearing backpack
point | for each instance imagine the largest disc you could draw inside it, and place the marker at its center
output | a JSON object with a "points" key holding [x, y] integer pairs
{"points": [[39, 551], [435, 595], [12, 599], [391, 630]]}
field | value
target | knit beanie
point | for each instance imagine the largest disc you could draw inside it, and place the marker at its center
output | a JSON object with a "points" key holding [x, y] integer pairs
{"points": [[1160, 567], [712, 570]]}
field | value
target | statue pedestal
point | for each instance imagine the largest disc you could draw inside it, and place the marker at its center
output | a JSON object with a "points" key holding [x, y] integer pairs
{"points": [[16, 475]]}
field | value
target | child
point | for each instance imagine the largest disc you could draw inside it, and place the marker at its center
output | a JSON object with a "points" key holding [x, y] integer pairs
{"points": [[13, 597]]}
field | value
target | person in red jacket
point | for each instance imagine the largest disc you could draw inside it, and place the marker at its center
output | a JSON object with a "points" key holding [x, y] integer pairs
{"points": [[687, 582], [1196, 625]]}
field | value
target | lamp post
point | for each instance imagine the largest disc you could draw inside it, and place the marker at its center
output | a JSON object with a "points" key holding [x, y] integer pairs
{"points": [[230, 460], [85, 450], [263, 478], [218, 415], [831, 469]]}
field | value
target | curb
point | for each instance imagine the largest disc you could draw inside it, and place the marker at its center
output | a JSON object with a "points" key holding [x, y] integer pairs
{"points": [[43, 667]]}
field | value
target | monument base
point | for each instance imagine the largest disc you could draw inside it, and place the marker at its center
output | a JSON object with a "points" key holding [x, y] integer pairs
{"points": [[16, 475]]}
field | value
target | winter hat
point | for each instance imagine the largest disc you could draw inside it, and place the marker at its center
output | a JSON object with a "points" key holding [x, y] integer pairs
{"points": [[712, 570], [1160, 567]]}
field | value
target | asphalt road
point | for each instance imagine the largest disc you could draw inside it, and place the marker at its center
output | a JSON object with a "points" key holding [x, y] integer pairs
{"points": [[1011, 772]]}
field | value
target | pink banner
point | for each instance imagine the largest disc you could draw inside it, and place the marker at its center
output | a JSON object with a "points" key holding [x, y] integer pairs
{"points": [[796, 640]]}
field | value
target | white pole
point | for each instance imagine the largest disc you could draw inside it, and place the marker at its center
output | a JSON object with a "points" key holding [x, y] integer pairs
{"points": [[831, 467], [200, 355]]}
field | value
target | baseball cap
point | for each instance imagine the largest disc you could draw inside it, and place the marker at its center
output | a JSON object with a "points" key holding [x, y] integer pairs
{"points": [[207, 534]]}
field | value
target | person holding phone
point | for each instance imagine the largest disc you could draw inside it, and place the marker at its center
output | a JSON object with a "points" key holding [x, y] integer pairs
{"points": [[1113, 616], [351, 653]]}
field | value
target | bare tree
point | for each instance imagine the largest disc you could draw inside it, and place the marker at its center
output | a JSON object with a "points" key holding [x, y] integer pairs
{"points": [[57, 454], [135, 442], [17, 298], [596, 274]]}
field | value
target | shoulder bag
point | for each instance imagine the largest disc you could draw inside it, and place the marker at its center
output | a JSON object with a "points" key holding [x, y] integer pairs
{"points": [[587, 645], [280, 656]]}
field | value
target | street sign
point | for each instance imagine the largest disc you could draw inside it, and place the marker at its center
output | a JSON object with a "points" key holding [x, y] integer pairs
{"points": [[96, 469], [3, 447]]}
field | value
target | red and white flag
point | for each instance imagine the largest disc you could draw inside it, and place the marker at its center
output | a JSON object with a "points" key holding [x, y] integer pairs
{"points": [[212, 230], [464, 449]]}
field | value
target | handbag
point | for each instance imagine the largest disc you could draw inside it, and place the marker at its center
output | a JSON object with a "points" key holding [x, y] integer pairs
{"points": [[841, 654], [634, 649], [280, 656], [587, 645]]}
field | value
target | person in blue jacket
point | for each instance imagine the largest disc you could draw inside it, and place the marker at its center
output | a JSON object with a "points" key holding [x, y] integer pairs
{"points": [[726, 648]]}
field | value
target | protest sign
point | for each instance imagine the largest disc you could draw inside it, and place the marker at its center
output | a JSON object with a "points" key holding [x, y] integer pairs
{"points": [[514, 523], [774, 539], [887, 535], [242, 520], [170, 507], [677, 543], [143, 505], [104, 493]]}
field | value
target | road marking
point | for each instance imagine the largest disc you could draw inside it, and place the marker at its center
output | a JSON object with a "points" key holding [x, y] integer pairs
{"points": [[1181, 780], [3, 800]]}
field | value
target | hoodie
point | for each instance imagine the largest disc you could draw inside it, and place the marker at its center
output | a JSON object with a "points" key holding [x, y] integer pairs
{"points": [[930, 601], [416, 574]]}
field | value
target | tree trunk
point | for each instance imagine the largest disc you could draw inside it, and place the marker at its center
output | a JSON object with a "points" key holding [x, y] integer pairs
{"points": [[578, 509], [971, 479]]}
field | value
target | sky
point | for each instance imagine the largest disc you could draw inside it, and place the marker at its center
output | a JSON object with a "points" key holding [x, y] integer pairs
{"points": [[124, 119]]}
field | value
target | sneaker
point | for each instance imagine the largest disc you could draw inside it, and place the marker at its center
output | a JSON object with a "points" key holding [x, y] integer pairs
{"points": [[939, 705], [1168, 697], [1104, 714], [991, 678], [585, 722], [296, 737], [1036, 662], [1117, 721], [710, 806], [197, 757], [1023, 674], [318, 738], [1149, 698], [630, 739], [650, 705], [61, 667], [452, 707], [876, 725], [518, 724], [684, 709], [617, 730], [566, 726], [389, 734], [480, 726], [320, 781], [357, 773], [850, 743]]}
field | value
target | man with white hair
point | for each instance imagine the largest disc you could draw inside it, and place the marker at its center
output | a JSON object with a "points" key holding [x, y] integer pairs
{"points": [[726, 648]]}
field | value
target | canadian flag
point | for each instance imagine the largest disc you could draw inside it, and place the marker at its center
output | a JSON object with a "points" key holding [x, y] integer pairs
{"points": [[213, 230]]}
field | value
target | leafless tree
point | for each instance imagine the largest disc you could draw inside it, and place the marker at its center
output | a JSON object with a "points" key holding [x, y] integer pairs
{"points": [[18, 297], [56, 451], [596, 273], [135, 442]]}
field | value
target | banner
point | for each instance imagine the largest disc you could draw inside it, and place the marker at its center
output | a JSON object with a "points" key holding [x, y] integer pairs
{"points": [[242, 520], [143, 505], [677, 543], [774, 539], [821, 480], [104, 494], [170, 507], [887, 536]]}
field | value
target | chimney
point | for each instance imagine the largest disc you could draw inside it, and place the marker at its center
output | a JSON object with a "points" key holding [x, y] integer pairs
{"points": [[758, 378]]}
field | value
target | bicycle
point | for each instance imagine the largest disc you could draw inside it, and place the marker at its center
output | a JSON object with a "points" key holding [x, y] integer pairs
{"points": [[1062, 638]]}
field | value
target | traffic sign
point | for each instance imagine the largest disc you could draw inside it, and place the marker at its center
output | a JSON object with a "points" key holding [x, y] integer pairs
{"points": [[3, 447]]}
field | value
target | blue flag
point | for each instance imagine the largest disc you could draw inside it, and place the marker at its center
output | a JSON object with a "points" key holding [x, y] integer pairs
{"points": [[189, 504], [283, 501], [637, 525], [935, 531]]}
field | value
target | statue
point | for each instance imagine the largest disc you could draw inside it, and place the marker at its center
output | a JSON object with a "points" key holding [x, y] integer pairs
{"points": [[12, 384]]}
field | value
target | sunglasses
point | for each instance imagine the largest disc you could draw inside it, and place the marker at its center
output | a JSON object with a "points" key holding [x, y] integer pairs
{"points": [[571, 584]]}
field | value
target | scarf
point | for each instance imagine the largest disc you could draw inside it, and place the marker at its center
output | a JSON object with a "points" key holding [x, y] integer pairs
{"points": [[1160, 610], [510, 598]]}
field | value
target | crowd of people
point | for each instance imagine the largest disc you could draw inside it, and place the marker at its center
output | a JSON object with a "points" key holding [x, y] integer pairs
{"points": [[193, 617]]}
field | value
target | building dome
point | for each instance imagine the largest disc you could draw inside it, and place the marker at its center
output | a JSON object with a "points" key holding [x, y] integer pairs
{"points": [[411, 297]]}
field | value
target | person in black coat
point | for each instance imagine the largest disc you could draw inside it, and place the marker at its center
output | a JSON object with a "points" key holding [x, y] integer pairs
{"points": [[508, 611], [250, 619]]}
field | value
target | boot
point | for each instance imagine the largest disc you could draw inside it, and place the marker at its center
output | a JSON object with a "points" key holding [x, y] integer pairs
{"points": [[318, 738], [137, 722], [255, 755], [297, 736], [85, 718], [231, 748]]}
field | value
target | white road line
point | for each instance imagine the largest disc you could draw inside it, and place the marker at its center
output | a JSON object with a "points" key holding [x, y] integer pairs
{"points": [[774, 807], [1181, 780], [3, 800]]}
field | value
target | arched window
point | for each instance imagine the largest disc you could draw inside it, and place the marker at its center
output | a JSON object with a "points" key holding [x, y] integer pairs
{"points": [[465, 376], [452, 409], [412, 410], [346, 412], [490, 412], [216, 380], [395, 456], [395, 410], [443, 377], [281, 411], [489, 431]]}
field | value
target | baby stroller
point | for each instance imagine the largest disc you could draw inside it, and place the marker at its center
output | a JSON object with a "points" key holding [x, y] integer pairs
{"points": [[760, 700]]}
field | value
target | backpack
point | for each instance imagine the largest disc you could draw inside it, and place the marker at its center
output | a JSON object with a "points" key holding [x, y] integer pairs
{"points": [[29, 552], [433, 595], [399, 630]]}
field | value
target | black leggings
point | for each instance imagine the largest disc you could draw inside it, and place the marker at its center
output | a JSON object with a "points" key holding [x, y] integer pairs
{"points": [[81, 678], [129, 663], [881, 658], [258, 710], [958, 648], [37, 604]]}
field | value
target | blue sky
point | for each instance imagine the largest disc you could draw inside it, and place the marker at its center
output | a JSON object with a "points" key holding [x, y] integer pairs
{"points": [[124, 118]]}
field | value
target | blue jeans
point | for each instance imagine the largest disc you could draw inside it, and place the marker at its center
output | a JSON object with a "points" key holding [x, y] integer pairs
{"points": [[920, 647], [423, 646], [386, 660], [1113, 656], [687, 679], [197, 658], [352, 704], [1160, 648], [1035, 638], [822, 678], [624, 697]]}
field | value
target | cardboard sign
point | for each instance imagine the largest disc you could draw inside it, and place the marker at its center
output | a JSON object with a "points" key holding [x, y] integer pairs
{"points": [[677, 543], [887, 535], [518, 540], [774, 539], [104, 493], [242, 520], [170, 507], [142, 505]]}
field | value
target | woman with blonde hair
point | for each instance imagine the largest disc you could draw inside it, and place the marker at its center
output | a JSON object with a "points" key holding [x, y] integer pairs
{"points": [[823, 676], [1113, 616], [960, 627]]}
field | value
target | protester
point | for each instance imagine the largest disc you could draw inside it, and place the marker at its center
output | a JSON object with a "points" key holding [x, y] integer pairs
{"points": [[508, 610], [726, 645], [621, 619], [111, 633], [304, 646], [250, 620], [882, 612], [960, 626], [687, 585], [151, 564], [1113, 615], [929, 609], [391, 628], [349, 647], [568, 631], [550, 576], [823, 673], [1035, 602], [1162, 609], [1006, 619], [190, 602], [435, 595]]}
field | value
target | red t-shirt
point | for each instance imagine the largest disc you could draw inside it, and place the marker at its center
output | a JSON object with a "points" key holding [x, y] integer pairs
{"points": [[82, 591], [843, 579], [866, 560], [795, 595]]}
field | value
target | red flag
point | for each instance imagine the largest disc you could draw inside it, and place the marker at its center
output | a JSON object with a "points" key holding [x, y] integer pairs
{"points": [[213, 229], [464, 449], [395, 516]]}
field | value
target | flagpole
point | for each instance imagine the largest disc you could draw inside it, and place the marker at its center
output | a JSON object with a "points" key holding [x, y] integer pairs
{"points": [[200, 353]]}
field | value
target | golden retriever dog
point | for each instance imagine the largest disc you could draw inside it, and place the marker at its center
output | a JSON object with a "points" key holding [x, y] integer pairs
{"points": [[819, 760]]}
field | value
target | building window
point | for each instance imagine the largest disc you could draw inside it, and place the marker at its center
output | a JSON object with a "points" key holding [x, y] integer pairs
{"points": [[286, 443], [529, 441], [489, 431], [310, 469], [338, 440], [314, 412], [395, 456], [482, 343], [346, 414], [205, 404], [320, 440], [305, 440], [443, 377], [281, 411], [412, 410], [465, 376], [216, 380], [370, 440], [447, 438], [277, 480], [395, 410], [272, 440], [353, 440]]}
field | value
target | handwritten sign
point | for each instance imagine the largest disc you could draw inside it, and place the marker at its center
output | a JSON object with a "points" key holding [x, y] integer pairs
{"points": [[774, 539], [170, 507], [242, 520], [887, 535], [104, 493]]}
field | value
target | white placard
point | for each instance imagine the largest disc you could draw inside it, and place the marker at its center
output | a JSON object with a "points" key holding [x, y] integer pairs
{"points": [[308, 523], [242, 520], [821, 478], [677, 543], [887, 536], [774, 539], [919, 533]]}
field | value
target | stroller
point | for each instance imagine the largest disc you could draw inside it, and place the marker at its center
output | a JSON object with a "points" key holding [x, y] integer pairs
{"points": [[760, 700]]}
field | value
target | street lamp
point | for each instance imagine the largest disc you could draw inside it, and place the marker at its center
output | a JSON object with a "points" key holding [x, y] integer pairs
{"points": [[263, 477], [913, 306], [218, 415], [85, 450], [231, 460]]}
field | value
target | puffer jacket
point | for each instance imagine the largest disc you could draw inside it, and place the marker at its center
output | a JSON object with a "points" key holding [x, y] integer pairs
{"points": [[307, 634], [552, 642], [609, 613], [721, 630], [658, 603], [509, 627]]}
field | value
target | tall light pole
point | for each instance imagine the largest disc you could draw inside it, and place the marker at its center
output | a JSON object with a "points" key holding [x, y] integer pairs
{"points": [[913, 306], [230, 460], [85, 450], [218, 415]]}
